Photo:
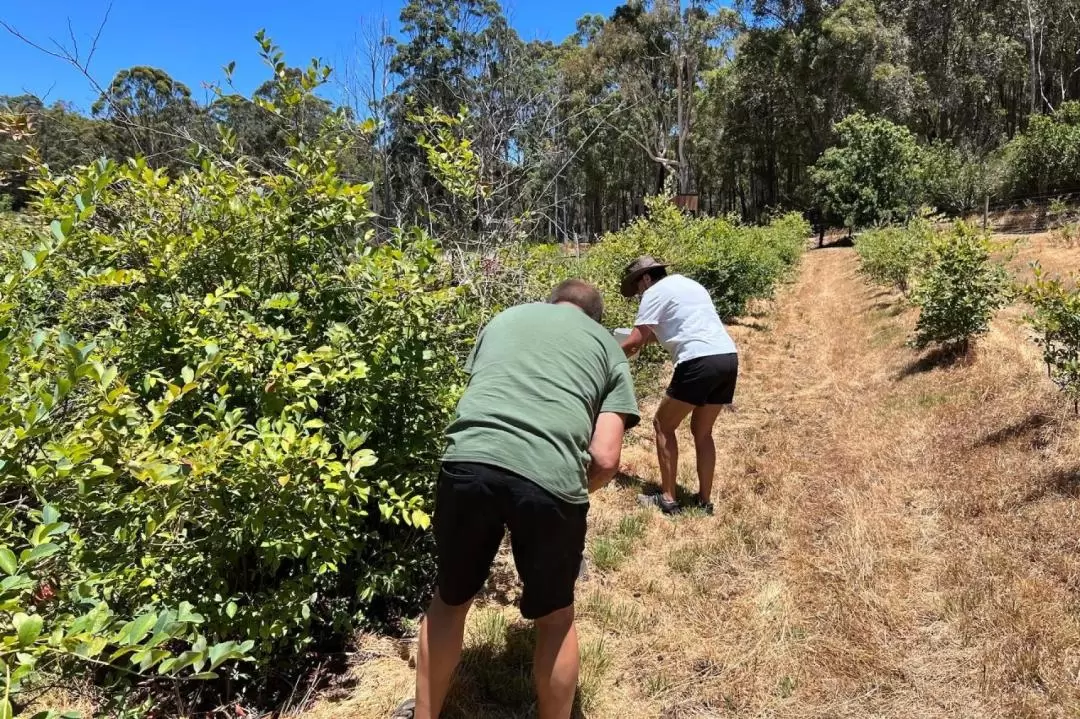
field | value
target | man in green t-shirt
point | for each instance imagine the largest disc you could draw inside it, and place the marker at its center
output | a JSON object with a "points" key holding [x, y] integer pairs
{"points": [[539, 427]]}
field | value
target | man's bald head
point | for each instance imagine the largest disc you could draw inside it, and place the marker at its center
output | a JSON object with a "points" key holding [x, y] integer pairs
{"points": [[580, 294]]}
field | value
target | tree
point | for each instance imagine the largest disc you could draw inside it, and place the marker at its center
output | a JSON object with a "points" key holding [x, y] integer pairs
{"points": [[263, 135], [57, 136], [1046, 156], [150, 114], [871, 176]]}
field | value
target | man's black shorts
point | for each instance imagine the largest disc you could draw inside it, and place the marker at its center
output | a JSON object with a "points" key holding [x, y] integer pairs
{"points": [[705, 380], [474, 504]]}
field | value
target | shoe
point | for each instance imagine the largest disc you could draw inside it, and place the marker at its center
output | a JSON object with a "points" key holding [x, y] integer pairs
{"points": [[657, 500], [406, 710], [706, 507]]}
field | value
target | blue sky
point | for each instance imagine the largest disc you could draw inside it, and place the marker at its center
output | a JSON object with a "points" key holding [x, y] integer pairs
{"points": [[193, 39]]}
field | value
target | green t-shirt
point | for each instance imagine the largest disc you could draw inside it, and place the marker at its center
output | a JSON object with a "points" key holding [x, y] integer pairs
{"points": [[540, 375]]}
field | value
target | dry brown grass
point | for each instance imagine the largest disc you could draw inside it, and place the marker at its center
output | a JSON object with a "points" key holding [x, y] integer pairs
{"points": [[892, 539]]}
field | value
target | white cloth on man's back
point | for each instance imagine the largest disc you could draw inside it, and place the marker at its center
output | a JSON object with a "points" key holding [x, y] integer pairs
{"points": [[681, 314]]}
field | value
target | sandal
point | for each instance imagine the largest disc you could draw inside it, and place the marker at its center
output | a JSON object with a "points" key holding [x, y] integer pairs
{"points": [[657, 500]]}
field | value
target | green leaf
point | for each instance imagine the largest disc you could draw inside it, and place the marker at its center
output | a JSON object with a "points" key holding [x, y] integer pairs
{"points": [[220, 652], [7, 561], [57, 230], [29, 260], [230, 610], [6, 711], [42, 551], [135, 630], [27, 627], [107, 377], [50, 514]]}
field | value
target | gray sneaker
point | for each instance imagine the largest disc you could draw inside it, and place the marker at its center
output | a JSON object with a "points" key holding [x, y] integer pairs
{"points": [[406, 710], [658, 501]]}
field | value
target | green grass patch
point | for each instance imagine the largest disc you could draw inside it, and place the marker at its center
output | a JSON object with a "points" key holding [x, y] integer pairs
{"points": [[613, 614], [609, 551], [595, 664]]}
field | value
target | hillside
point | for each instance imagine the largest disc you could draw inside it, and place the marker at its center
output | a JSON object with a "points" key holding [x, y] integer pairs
{"points": [[895, 538]]}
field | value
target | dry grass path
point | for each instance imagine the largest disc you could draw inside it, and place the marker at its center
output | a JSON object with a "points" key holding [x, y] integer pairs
{"points": [[894, 538]]}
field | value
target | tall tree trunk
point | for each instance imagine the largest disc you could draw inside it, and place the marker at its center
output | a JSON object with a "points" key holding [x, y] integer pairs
{"points": [[1033, 60], [683, 105]]}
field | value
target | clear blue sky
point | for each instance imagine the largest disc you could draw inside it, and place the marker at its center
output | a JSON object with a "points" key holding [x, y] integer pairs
{"points": [[193, 39]]}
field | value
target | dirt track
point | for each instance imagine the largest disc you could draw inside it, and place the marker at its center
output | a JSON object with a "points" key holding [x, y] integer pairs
{"points": [[893, 538]]}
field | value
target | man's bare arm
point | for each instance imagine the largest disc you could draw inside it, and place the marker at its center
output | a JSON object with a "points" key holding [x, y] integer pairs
{"points": [[639, 337], [605, 449]]}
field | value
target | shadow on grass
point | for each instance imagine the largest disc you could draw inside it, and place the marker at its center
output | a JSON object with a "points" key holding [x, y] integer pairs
{"points": [[833, 243], [649, 487], [1065, 482], [894, 308], [494, 679], [631, 481], [1033, 424], [941, 358], [748, 323]]}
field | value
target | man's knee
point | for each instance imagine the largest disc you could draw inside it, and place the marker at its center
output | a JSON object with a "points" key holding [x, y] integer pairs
{"points": [[441, 608], [559, 620]]}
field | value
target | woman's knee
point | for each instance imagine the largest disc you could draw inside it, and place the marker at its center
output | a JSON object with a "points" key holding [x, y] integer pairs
{"points": [[664, 429]]}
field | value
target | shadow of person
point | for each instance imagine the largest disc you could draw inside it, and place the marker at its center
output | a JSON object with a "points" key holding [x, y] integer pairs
{"points": [[630, 481], [494, 680], [650, 487]]}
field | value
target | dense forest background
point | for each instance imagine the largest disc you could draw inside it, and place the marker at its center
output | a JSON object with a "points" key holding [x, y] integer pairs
{"points": [[733, 105]]}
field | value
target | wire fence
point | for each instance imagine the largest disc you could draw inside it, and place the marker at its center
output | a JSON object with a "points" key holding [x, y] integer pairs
{"points": [[1030, 213]]}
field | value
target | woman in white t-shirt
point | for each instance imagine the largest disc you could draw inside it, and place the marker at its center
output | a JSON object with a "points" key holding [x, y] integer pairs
{"points": [[679, 314]]}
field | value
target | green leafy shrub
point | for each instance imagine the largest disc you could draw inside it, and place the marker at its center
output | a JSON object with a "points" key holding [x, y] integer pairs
{"points": [[890, 255], [1067, 235], [958, 180], [231, 393], [960, 290], [872, 176], [735, 263], [1055, 318], [1046, 156]]}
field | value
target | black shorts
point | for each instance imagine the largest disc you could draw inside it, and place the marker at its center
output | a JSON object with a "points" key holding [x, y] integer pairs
{"points": [[705, 380], [474, 504]]}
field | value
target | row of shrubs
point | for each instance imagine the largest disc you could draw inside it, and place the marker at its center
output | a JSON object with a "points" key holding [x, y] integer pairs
{"points": [[735, 262], [959, 280], [221, 409]]}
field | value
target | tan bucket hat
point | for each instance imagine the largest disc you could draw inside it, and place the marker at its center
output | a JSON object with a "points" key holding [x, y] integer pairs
{"points": [[634, 271]]}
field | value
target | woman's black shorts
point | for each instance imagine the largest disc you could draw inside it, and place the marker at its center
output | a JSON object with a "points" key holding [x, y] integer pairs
{"points": [[705, 380]]}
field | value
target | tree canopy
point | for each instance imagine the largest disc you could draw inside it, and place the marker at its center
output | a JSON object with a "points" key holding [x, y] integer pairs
{"points": [[732, 105]]}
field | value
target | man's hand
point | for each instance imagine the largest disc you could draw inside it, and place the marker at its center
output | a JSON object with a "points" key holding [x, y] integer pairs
{"points": [[639, 337], [605, 449]]}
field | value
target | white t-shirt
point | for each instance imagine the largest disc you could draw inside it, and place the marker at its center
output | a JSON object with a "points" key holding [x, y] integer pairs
{"points": [[681, 314]]}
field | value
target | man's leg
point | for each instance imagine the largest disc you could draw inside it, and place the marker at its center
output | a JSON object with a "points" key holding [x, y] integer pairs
{"points": [[701, 425], [556, 662], [441, 635], [468, 526], [548, 539], [669, 415]]}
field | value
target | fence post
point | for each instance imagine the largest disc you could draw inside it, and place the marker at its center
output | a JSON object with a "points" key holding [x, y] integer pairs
{"points": [[986, 213]]}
